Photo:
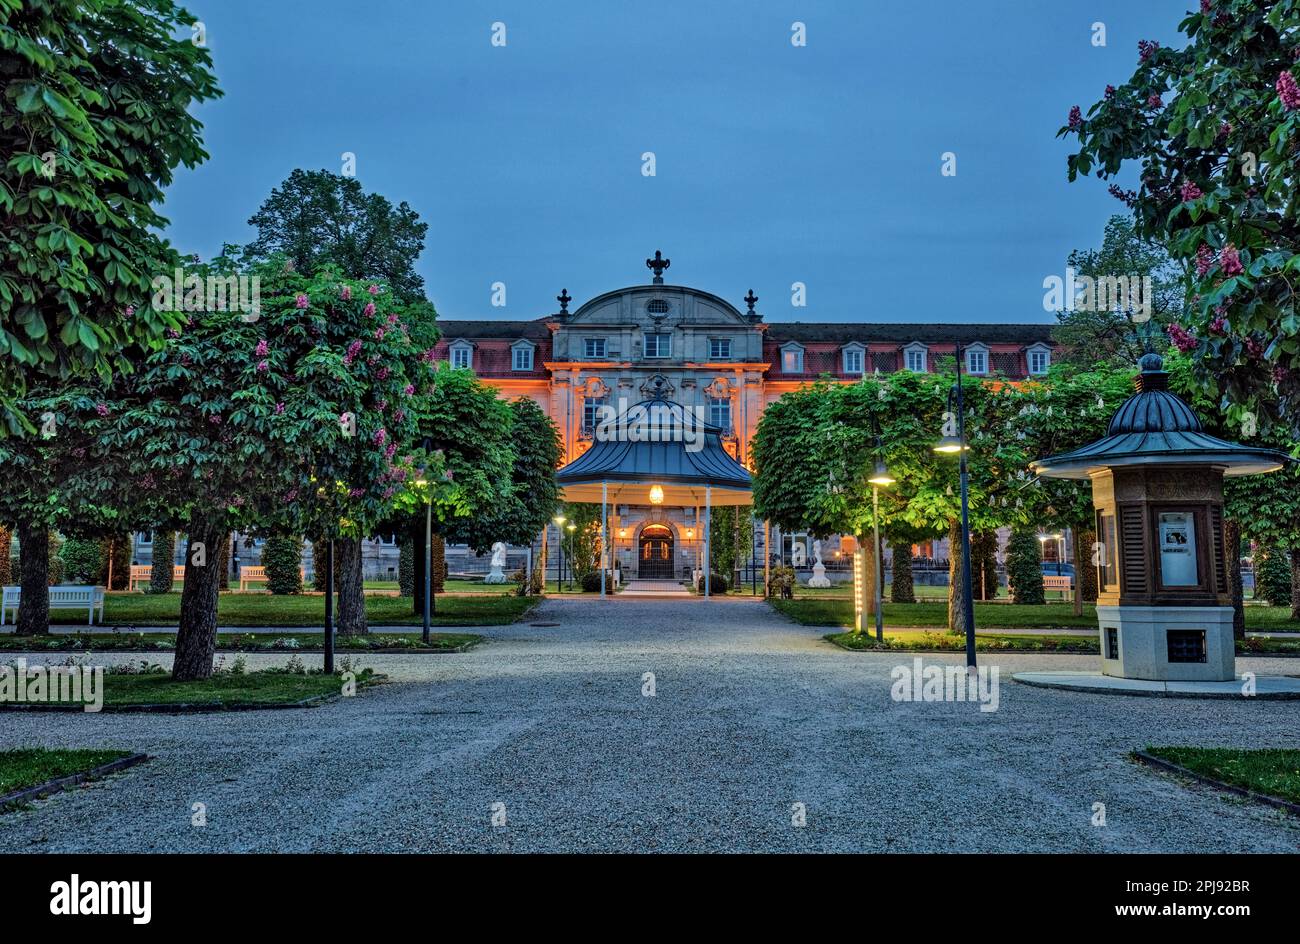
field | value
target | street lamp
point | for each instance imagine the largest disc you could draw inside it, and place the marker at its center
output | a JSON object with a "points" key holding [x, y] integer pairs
{"points": [[880, 478], [571, 527], [428, 558], [559, 570], [954, 441]]}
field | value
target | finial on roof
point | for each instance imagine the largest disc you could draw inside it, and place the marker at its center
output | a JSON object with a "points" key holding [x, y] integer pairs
{"points": [[564, 298], [751, 300], [658, 264]]}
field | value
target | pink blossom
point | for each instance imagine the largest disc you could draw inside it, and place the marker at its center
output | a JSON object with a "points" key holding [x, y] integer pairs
{"points": [[291, 495], [1190, 192], [1217, 324], [1288, 91], [1205, 6], [449, 476], [173, 333], [392, 318], [1129, 197], [130, 310], [1146, 49], [356, 493], [215, 419], [263, 367], [388, 492], [369, 310], [1183, 339], [1109, 93], [302, 301], [383, 373], [346, 294], [379, 334], [353, 350], [409, 389], [381, 434], [1076, 118], [1229, 261], [427, 356], [1280, 374], [373, 290], [399, 415], [101, 409], [279, 408], [1155, 101], [390, 449], [1204, 259], [262, 349], [1254, 348]]}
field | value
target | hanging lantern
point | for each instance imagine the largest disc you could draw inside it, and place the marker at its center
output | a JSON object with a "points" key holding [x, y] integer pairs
{"points": [[656, 495]]}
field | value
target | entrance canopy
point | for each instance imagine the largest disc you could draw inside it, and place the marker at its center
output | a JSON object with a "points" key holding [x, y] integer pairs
{"points": [[656, 452]]}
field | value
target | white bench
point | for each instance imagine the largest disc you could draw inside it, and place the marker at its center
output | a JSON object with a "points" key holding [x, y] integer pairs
{"points": [[62, 597], [143, 573], [249, 575], [1064, 582]]}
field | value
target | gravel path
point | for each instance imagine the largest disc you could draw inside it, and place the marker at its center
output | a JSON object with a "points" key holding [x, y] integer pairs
{"points": [[751, 714]]}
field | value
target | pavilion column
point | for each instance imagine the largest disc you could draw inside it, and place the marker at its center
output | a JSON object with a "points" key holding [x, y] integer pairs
{"points": [[708, 536], [604, 547]]}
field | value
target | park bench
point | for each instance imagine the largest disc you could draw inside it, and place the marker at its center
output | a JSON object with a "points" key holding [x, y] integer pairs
{"points": [[61, 598], [249, 575], [1064, 582], [141, 573]]}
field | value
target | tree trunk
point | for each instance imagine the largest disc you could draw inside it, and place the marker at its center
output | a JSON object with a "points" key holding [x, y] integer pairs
{"points": [[1295, 583], [352, 595], [223, 565], [866, 602], [34, 578], [196, 637], [1232, 559], [901, 589], [956, 614]]}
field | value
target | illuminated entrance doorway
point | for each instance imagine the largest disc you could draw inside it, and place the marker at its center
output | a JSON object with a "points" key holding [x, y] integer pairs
{"points": [[655, 553]]}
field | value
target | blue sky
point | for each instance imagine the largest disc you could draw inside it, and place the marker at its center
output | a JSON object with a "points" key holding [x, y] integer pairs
{"points": [[774, 164]]}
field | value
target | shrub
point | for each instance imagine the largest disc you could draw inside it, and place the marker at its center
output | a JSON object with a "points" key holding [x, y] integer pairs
{"points": [[282, 556], [1025, 567], [781, 583], [164, 558], [83, 560], [6, 547], [591, 582], [1273, 576], [55, 562], [717, 583], [406, 566], [901, 589]]}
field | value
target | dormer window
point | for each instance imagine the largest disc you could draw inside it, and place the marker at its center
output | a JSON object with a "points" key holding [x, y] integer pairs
{"points": [[658, 344], [854, 359], [719, 349], [916, 357], [977, 359], [1038, 358], [792, 359], [593, 348], [461, 354], [521, 357]]}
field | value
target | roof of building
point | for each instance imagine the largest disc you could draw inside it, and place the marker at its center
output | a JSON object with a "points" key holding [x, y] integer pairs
{"points": [[905, 332], [502, 330]]}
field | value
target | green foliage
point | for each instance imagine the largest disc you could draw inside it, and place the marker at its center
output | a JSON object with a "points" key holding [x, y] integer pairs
{"points": [[1024, 567], [54, 563], [282, 558], [164, 556], [406, 566], [1216, 144], [95, 119], [6, 565], [717, 583], [730, 537], [591, 582], [83, 560], [1273, 576], [117, 548], [323, 220], [1107, 336], [901, 589], [582, 544], [781, 582]]}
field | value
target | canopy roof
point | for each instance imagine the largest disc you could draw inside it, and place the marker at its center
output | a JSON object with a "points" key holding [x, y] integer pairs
{"points": [[1155, 427], [655, 442]]}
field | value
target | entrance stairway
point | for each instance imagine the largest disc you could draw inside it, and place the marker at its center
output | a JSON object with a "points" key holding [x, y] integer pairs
{"points": [[657, 588]]}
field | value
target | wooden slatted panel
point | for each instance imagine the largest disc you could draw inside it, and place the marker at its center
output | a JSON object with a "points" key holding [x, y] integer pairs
{"points": [[1134, 560], [1221, 564]]}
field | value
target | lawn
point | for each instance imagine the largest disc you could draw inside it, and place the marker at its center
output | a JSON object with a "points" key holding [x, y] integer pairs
{"points": [[236, 642], [154, 686], [984, 642], [31, 766], [263, 609], [1273, 772], [839, 612]]}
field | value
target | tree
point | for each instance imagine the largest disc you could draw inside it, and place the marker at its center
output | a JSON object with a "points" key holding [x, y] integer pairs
{"points": [[299, 418], [1088, 337], [163, 567], [1272, 576], [83, 559], [319, 219], [282, 558], [1025, 567], [1214, 126], [96, 119]]}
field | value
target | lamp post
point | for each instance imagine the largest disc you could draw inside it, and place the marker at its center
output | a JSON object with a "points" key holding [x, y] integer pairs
{"points": [[559, 569], [880, 478], [955, 442], [571, 528], [428, 558]]}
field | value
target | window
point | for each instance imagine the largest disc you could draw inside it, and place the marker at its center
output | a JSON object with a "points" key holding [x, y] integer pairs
{"points": [[593, 348], [792, 360], [657, 306], [591, 413], [144, 538], [1104, 551], [977, 362], [1185, 645], [853, 360], [1039, 361], [720, 413], [523, 358], [720, 349], [657, 344], [461, 355], [916, 360]]}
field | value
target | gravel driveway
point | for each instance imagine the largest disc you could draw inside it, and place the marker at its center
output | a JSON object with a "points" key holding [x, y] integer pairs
{"points": [[751, 715]]}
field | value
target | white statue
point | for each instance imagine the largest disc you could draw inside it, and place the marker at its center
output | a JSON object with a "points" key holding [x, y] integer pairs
{"points": [[498, 562], [818, 579]]}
